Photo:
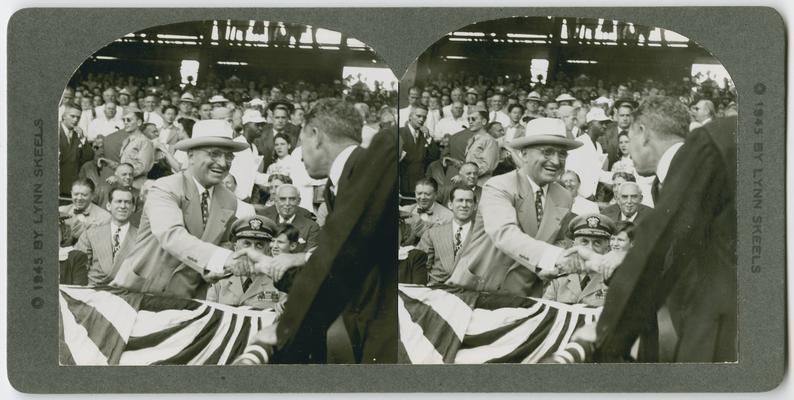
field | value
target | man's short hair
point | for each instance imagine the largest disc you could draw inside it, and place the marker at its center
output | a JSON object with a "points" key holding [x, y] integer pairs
{"points": [[73, 106], [281, 177], [84, 182], [125, 164], [339, 119], [115, 189], [470, 163], [625, 175], [490, 125], [629, 184], [421, 107], [427, 182], [457, 188], [290, 231], [516, 105], [146, 125], [664, 115], [288, 186], [170, 107]]}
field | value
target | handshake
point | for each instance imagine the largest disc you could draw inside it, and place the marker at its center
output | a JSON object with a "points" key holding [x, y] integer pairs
{"points": [[248, 261], [580, 259]]}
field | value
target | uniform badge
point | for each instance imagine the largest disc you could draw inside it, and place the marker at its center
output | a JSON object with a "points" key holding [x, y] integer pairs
{"points": [[593, 222], [255, 224]]}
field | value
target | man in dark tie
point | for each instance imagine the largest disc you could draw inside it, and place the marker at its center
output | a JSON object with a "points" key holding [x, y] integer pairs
{"points": [[107, 245], [609, 141], [186, 217], [684, 253], [352, 273], [442, 243], [287, 211], [629, 206], [74, 149], [415, 157], [519, 217], [468, 175]]}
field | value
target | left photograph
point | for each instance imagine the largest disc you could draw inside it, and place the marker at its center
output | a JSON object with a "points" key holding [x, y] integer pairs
{"points": [[228, 196]]}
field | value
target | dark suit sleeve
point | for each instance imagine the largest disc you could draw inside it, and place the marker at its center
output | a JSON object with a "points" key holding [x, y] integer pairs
{"points": [[357, 251], [313, 237], [679, 230]]}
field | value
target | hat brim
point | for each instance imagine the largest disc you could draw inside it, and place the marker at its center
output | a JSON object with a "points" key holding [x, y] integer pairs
{"points": [[522, 142], [256, 235], [261, 121], [187, 100], [592, 232], [273, 105], [631, 103], [222, 142]]}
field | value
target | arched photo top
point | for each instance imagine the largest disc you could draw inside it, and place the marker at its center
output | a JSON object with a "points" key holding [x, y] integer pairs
{"points": [[590, 58]]}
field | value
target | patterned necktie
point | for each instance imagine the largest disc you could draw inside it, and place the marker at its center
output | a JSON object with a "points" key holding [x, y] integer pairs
{"points": [[458, 240], [116, 241], [205, 209], [539, 205], [585, 281]]}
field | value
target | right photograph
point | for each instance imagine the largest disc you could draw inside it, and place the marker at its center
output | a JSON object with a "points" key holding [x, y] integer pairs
{"points": [[567, 195]]}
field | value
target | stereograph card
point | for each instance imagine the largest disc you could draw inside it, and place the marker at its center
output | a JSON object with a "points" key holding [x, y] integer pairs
{"points": [[191, 231]]}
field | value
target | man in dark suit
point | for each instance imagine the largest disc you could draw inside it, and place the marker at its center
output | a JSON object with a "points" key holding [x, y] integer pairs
{"points": [[74, 150], [415, 157], [629, 206], [111, 146], [609, 140], [443, 243], [468, 178], [286, 211], [280, 111], [352, 272], [684, 254], [455, 155], [107, 245]]}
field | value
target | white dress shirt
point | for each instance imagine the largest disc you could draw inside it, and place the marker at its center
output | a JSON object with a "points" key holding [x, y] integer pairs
{"points": [[102, 126], [245, 167], [448, 111], [449, 126], [587, 161], [335, 173], [464, 233], [664, 162], [122, 234], [500, 117]]}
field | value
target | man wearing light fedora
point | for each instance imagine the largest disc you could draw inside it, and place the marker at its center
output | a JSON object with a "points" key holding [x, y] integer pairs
{"points": [[186, 104], [186, 217], [520, 215]]}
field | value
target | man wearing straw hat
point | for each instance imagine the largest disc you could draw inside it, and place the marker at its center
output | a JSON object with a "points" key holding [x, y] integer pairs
{"points": [[520, 215], [185, 218]]}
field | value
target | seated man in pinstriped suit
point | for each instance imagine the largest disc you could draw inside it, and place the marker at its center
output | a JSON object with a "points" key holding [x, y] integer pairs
{"points": [[108, 244], [442, 243]]}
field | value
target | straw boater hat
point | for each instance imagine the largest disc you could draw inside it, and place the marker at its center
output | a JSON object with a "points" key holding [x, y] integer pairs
{"points": [[565, 97], [187, 98], [254, 116], [545, 131], [125, 92], [218, 99], [534, 96], [595, 114], [211, 132]]}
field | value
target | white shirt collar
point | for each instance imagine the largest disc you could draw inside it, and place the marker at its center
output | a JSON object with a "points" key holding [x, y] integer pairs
{"points": [[201, 188], [288, 221], [623, 217], [664, 162], [535, 186], [338, 166], [124, 229], [465, 226]]}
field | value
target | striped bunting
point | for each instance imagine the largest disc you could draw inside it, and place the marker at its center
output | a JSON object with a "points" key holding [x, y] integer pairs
{"points": [[111, 326], [450, 325]]}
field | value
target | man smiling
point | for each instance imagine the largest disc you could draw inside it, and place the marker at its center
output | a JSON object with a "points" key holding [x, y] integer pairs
{"points": [[519, 215], [186, 217]]}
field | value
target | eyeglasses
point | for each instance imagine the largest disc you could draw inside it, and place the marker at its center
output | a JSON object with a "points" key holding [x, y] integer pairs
{"points": [[216, 155], [549, 152]]}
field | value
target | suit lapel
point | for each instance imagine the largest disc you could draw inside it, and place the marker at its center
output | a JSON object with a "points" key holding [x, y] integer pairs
{"points": [[192, 207], [257, 286], [104, 239], [552, 214], [216, 221], [446, 244], [525, 206], [574, 285], [125, 248], [593, 286]]}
